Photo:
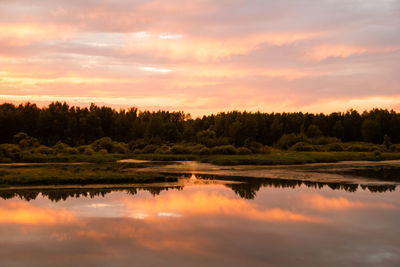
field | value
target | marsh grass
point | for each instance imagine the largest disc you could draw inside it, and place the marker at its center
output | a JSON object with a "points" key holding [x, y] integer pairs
{"points": [[82, 174], [95, 158], [289, 157]]}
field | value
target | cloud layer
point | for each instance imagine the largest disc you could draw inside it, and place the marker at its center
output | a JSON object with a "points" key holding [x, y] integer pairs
{"points": [[203, 56]]}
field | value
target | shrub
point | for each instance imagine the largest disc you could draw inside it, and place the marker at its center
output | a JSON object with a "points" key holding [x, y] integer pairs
{"points": [[149, 149], [103, 151], [71, 150], [180, 149], [323, 140], [137, 144], [61, 147], [81, 149], [301, 146], [120, 148], [103, 143], [243, 151], [255, 147], [198, 149], [10, 151], [266, 150], [395, 148], [363, 147], [225, 150], [334, 147], [44, 150], [88, 151], [25, 141], [203, 151], [288, 140], [137, 151], [163, 150]]}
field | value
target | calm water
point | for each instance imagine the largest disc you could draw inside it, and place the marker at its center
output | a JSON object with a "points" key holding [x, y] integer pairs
{"points": [[202, 224]]}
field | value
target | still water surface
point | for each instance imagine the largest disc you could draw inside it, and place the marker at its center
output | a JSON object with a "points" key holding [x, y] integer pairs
{"points": [[202, 224]]}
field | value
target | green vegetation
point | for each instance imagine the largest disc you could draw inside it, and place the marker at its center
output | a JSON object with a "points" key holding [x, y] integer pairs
{"points": [[295, 149], [291, 157], [81, 174], [82, 126], [60, 133]]}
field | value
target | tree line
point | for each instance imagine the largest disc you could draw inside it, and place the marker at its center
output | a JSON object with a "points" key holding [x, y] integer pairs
{"points": [[59, 122]]}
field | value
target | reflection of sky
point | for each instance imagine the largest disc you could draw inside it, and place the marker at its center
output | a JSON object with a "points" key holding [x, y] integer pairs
{"points": [[204, 225]]}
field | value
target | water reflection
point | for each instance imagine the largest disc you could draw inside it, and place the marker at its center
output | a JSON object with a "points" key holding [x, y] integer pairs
{"points": [[246, 188], [201, 224]]}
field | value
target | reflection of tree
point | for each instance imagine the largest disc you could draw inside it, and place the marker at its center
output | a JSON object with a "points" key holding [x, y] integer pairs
{"points": [[63, 194], [250, 186], [382, 173], [244, 187]]}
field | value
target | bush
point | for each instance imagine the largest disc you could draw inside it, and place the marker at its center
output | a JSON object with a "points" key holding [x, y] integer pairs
{"points": [[163, 150], [120, 148], [45, 150], [103, 143], [203, 151], [137, 144], [180, 149], [334, 147], [266, 150], [243, 151], [301, 146], [71, 150], [103, 151], [25, 141], [81, 149], [224, 150], [10, 151], [288, 140], [395, 148], [149, 149], [363, 147], [199, 149], [88, 151], [137, 151], [323, 140], [255, 147], [61, 147]]}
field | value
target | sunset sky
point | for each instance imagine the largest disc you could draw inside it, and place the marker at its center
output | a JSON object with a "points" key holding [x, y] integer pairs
{"points": [[202, 56]]}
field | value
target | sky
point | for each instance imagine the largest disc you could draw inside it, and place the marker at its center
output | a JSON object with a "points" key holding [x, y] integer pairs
{"points": [[202, 56]]}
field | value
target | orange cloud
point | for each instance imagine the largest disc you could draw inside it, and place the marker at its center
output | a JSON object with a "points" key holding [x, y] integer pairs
{"points": [[22, 34], [204, 49], [325, 51]]}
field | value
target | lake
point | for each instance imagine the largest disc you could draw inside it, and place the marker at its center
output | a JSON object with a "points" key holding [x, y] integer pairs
{"points": [[202, 222]]}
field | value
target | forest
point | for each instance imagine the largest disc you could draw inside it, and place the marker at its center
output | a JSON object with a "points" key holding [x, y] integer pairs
{"points": [[60, 132], [76, 126]]}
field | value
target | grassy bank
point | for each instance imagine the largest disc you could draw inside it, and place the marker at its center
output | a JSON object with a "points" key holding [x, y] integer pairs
{"points": [[106, 173]]}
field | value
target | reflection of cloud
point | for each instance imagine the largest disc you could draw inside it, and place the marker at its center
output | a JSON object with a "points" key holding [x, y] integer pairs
{"points": [[25, 213], [323, 203], [201, 204]]}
